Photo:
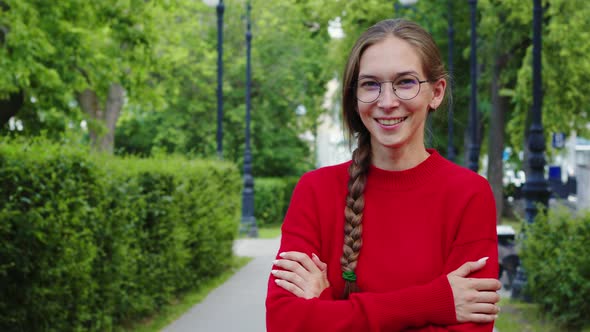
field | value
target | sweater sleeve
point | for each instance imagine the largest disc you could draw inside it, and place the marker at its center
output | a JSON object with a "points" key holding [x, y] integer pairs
{"points": [[475, 238], [415, 306]]}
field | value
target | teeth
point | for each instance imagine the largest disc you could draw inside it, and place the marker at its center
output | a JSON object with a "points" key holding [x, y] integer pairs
{"points": [[390, 122]]}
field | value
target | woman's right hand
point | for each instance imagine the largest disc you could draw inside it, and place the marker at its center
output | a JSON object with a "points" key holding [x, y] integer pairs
{"points": [[303, 276], [475, 298]]}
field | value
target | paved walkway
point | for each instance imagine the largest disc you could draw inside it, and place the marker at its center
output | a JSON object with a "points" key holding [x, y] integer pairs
{"points": [[238, 304]]}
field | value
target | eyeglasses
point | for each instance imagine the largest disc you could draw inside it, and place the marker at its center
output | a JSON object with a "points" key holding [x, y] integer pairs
{"points": [[405, 87]]}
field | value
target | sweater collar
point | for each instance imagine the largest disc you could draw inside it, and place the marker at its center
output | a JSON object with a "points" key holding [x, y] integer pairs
{"points": [[406, 179]]}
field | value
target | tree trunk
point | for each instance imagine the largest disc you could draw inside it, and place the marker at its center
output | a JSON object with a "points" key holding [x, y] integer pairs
{"points": [[89, 103], [496, 139], [102, 124], [114, 104]]}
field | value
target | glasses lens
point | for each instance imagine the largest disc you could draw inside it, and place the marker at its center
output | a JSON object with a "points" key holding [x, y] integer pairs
{"points": [[406, 87], [368, 90]]}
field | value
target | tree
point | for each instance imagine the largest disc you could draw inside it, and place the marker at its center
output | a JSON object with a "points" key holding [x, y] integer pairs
{"points": [[565, 71], [89, 52], [289, 55], [501, 52], [27, 70], [288, 69], [183, 81]]}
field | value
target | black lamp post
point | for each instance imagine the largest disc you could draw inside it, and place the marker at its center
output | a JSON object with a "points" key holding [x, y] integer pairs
{"points": [[451, 31], [248, 222], [220, 9], [536, 188], [473, 119]]}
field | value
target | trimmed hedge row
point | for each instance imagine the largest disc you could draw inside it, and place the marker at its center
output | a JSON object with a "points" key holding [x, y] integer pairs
{"points": [[556, 257], [88, 243], [272, 198]]}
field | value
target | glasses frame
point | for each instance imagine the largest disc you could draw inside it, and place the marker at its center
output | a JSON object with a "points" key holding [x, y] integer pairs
{"points": [[355, 87]]}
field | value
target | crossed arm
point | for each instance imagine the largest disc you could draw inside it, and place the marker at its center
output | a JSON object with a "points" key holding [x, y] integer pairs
{"points": [[474, 298], [299, 296]]}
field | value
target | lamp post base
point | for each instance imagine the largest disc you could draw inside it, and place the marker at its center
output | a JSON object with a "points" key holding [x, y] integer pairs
{"points": [[519, 284], [248, 227]]}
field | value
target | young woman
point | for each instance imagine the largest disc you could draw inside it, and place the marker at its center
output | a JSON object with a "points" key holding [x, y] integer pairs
{"points": [[398, 237]]}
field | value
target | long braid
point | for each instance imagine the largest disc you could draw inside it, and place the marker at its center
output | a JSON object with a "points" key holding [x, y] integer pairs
{"points": [[353, 212]]}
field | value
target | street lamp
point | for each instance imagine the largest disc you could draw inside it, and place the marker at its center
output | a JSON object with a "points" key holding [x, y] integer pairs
{"points": [[473, 121], [220, 9], [451, 31], [248, 222], [535, 189]]}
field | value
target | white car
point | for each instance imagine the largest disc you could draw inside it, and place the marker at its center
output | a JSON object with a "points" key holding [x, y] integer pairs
{"points": [[507, 255]]}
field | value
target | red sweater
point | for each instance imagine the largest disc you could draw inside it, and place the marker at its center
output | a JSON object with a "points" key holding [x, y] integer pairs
{"points": [[418, 225]]}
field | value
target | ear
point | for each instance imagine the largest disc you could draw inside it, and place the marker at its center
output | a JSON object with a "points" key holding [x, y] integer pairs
{"points": [[438, 93]]}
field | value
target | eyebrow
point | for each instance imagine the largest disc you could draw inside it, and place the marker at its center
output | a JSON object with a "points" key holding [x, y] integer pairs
{"points": [[407, 72]]}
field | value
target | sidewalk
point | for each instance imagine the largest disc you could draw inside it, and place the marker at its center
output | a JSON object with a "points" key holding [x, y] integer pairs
{"points": [[238, 304]]}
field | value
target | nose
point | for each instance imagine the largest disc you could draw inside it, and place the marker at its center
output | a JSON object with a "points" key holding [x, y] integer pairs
{"points": [[387, 98]]}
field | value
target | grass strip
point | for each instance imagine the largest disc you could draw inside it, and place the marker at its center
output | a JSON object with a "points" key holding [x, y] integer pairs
{"points": [[518, 316]]}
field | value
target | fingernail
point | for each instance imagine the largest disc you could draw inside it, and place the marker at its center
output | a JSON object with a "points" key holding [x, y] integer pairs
{"points": [[282, 254], [273, 272], [277, 281], [483, 260], [275, 262], [314, 255]]}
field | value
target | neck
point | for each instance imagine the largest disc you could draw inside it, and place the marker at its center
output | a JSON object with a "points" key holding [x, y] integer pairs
{"points": [[398, 159]]}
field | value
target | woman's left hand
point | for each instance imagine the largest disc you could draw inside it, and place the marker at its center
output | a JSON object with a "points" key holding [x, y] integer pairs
{"points": [[303, 276]]}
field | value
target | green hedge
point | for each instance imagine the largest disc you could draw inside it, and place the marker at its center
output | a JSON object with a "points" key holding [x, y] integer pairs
{"points": [[90, 242], [556, 257], [271, 199]]}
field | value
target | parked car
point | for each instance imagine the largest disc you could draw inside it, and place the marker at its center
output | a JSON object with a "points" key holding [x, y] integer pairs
{"points": [[507, 255]]}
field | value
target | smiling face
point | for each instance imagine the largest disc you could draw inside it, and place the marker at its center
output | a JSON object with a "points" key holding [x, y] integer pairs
{"points": [[396, 125]]}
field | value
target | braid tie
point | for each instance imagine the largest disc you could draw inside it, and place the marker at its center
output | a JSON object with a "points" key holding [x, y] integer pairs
{"points": [[349, 276]]}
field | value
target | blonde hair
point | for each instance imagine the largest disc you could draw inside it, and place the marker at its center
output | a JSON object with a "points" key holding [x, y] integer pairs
{"points": [[434, 70]]}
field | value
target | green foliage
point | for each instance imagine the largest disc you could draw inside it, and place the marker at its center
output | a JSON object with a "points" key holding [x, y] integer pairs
{"points": [[565, 70], [287, 71], [556, 257], [500, 53], [49, 202], [164, 55], [53, 52], [90, 242], [272, 198]]}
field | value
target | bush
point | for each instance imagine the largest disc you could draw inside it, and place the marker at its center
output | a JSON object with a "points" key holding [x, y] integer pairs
{"points": [[271, 199], [89, 242], [556, 256], [48, 200]]}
